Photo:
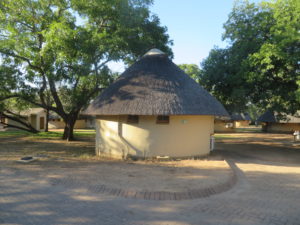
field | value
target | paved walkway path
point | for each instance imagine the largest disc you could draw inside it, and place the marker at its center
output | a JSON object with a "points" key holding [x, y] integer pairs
{"points": [[204, 189], [266, 193]]}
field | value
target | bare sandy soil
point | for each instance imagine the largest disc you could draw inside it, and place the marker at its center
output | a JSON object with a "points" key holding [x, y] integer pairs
{"points": [[262, 146], [71, 162], [15, 147], [74, 162]]}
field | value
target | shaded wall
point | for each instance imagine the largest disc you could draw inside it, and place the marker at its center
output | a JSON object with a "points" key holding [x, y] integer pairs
{"points": [[280, 127], [80, 124], [183, 136], [55, 124], [33, 119], [15, 123], [91, 123]]}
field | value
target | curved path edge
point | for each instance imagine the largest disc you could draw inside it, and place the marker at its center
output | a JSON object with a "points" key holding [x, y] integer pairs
{"points": [[157, 195]]}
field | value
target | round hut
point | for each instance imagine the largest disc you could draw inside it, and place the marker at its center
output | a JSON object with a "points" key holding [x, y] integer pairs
{"points": [[154, 109]]}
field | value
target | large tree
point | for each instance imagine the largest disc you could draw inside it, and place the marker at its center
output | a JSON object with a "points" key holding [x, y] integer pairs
{"points": [[192, 70], [62, 47], [261, 63]]}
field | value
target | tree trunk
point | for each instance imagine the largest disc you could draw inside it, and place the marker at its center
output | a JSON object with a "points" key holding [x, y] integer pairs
{"points": [[47, 121], [69, 130]]}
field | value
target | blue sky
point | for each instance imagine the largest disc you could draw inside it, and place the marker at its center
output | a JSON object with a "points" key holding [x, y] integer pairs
{"points": [[195, 26]]}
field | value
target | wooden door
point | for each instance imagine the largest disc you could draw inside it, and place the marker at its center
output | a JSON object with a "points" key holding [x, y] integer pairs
{"points": [[42, 123]]}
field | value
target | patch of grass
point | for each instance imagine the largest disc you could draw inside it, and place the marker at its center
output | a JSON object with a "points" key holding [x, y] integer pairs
{"points": [[248, 130], [12, 133], [46, 135], [224, 136], [84, 133]]}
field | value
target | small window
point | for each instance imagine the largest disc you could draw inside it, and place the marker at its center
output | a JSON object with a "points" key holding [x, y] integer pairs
{"points": [[162, 120], [132, 119]]}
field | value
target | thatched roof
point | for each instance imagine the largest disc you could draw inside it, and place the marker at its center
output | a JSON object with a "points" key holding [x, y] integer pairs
{"points": [[274, 117], [240, 116], [154, 85]]}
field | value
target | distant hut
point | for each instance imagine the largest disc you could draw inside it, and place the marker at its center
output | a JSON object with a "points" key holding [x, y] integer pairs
{"points": [[240, 119], [36, 117], [55, 121], [223, 124], [154, 109], [273, 122], [82, 122]]}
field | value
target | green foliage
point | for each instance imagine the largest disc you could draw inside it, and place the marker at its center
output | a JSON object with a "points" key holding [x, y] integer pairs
{"points": [[54, 52], [276, 64], [261, 64], [254, 111], [192, 70]]}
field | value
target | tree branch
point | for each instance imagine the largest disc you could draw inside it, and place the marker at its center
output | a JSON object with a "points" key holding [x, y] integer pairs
{"points": [[19, 119], [22, 58], [8, 97], [28, 99]]}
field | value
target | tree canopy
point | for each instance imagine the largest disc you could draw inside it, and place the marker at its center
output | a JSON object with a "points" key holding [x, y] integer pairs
{"points": [[261, 65], [54, 53], [192, 70]]}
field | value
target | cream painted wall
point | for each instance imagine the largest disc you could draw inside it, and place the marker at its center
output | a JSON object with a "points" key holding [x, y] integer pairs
{"points": [[34, 120], [183, 136], [56, 124], [80, 124], [11, 122], [36, 125], [241, 123]]}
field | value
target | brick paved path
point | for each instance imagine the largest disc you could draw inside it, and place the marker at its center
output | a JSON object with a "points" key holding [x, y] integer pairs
{"points": [[266, 193], [71, 181]]}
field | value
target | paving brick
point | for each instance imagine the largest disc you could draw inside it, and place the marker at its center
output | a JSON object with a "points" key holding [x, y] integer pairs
{"points": [[264, 193]]}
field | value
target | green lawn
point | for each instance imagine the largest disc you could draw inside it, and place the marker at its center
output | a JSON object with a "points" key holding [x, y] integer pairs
{"points": [[46, 135], [247, 130], [224, 136]]}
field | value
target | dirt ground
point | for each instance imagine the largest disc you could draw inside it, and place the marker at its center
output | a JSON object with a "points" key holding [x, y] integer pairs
{"points": [[59, 159], [17, 146], [262, 146], [61, 187]]}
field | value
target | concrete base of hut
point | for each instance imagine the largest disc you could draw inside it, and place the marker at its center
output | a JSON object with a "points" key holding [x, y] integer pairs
{"points": [[183, 136]]}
